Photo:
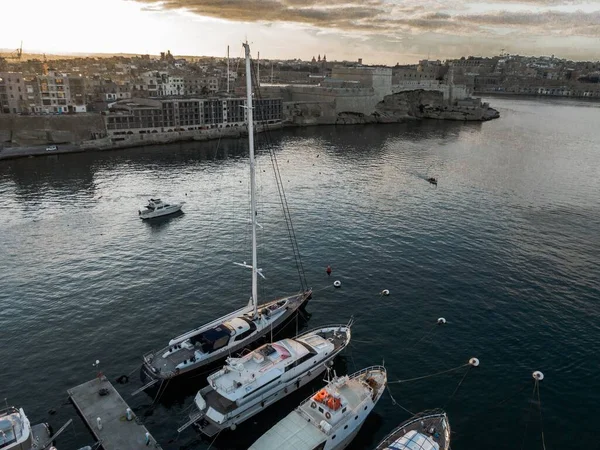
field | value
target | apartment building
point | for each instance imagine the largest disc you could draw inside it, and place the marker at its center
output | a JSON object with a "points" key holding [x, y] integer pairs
{"points": [[139, 116]]}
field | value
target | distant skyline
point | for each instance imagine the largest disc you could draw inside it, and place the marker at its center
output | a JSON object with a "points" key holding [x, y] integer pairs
{"points": [[378, 31]]}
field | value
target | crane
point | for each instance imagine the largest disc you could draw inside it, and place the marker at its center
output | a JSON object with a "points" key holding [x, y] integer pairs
{"points": [[17, 53]]}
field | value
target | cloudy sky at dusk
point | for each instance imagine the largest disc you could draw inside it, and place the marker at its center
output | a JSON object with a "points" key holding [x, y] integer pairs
{"points": [[379, 31]]}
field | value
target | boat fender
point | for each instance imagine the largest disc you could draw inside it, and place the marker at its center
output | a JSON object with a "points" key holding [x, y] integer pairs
{"points": [[385, 292], [285, 390], [538, 376], [337, 283], [474, 362], [177, 371], [99, 423], [233, 427], [328, 415], [309, 373], [313, 405], [262, 404], [441, 321]]}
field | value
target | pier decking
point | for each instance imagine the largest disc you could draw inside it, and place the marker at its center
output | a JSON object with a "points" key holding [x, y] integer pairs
{"points": [[117, 432]]}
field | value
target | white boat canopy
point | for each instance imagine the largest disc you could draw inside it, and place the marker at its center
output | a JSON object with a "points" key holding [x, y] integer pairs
{"points": [[414, 441], [293, 432]]}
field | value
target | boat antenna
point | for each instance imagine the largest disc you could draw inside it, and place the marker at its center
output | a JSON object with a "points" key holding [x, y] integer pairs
{"points": [[252, 175]]}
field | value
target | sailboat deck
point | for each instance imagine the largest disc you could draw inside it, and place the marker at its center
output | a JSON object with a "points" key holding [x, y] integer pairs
{"points": [[168, 364], [421, 424]]}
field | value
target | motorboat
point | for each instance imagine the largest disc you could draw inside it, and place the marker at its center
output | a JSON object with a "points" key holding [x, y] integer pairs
{"points": [[207, 345], [157, 208], [332, 417], [17, 433], [247, 385], [429, 430]]}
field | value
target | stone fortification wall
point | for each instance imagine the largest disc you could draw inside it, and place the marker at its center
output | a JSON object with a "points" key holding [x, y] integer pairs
{"points": [[398, 107], [137, 140], [40, 130]]}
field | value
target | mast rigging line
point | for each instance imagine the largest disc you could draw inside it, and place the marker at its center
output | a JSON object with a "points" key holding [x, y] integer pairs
{"points": [[281, 191]]}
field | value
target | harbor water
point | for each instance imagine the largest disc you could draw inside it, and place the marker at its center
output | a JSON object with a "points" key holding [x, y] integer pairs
{"points": [[505, 248]]}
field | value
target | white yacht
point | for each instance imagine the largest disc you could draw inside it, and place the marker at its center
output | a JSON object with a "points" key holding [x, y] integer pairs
{"points": [[17, 433], [211, 342], [157, 208], [247, 385], [429, 430], [331, 418]]}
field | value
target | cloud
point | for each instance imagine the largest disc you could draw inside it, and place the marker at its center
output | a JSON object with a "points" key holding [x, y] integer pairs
{"points": [[391, 19], [447, 27]]}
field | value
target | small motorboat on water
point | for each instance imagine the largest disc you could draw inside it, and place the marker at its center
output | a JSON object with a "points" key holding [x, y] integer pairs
{"points": [[157, 208], [432, 180], [17, 433], [247, 385], [429, 430], [332, 417]]}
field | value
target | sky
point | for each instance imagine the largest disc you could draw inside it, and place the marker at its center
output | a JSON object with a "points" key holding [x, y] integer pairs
{"points": [[378, 31]]}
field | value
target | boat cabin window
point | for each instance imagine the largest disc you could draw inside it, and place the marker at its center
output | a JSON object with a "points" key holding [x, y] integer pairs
{"points": [[299, 361], [321, 410], [344, 410]]}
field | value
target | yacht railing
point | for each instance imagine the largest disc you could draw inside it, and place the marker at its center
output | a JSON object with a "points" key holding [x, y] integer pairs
{"points": [[352, 376], [425, 415], [338, 326]]}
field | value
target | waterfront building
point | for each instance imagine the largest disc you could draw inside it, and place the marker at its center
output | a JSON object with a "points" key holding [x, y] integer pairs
{"points": [[169, 115], [12, 92]]}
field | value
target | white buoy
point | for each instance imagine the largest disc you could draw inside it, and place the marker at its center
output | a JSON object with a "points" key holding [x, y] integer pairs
{"points": [[99, 423], [385, 292], [337, 283], [147, 438], [129, 414], [441, 321], [474, 362], [537, 375]]}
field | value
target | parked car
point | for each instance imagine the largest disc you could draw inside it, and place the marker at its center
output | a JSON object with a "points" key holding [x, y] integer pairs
{"points": [[51, 148]]}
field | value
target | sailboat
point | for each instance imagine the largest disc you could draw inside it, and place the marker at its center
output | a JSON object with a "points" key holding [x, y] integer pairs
{"points": [[201, 347]]}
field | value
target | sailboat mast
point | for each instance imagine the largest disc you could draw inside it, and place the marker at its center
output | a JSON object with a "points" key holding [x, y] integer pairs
{"points": [[228, 69], [249, 110]]}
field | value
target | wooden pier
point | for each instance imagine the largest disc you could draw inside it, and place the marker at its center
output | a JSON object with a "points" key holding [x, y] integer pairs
{"points": [[99, 398]]}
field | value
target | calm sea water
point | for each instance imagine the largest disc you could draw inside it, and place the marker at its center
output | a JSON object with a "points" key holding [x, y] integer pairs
{"points": [[506, 248]]}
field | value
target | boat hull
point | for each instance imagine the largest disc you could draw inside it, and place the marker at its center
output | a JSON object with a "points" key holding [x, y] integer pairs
{"points": [[207, 365], [245, 411], [144, 215]]}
